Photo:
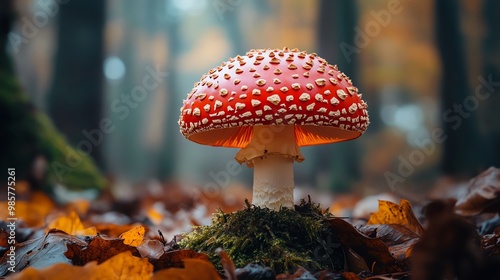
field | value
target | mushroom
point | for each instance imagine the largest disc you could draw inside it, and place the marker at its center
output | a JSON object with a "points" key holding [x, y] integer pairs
{"points": [[270, 103]]}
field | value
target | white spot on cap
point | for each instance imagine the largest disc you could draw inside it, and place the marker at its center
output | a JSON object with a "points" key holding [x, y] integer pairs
{"points": [[289, 98], [267, 108], [304, 97], [334, 101], [318, 97], [258, 112], [217, 104], [268, 117], [240, 106], [255, 102], [353, 108], [196, 111], [206, 107], [204, 121], [341, 94], [256, 92], [310, 107], [275, 99]]}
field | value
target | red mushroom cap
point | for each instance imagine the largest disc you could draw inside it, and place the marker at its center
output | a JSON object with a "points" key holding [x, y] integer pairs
{"points": [[273, 87]]}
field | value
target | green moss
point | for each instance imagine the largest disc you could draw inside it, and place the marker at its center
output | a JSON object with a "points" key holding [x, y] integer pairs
{"points": [[28, 133], [282, 240]]}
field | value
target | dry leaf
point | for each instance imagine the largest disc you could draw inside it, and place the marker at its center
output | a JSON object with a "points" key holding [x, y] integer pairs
{"points": [[99, 249], [391, 213], [176, 258], [151, 249], [375, 252], [194, 269], [71, 224], [121, 266], [134, 236], [32, 211], [41, 252], [227, 264], [483, 194], [398, 238]]}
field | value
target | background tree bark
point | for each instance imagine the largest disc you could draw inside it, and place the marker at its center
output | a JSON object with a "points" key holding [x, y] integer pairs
{"points": [[337, 165], [75, 98], [461, 147]]}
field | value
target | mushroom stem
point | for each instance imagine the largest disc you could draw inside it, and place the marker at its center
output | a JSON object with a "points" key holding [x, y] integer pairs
{"points": [[273, 182], [271, 152]]}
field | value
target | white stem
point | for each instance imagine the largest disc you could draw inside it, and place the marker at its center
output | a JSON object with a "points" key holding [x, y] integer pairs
{"points": [[271, 152], [273, 182]]}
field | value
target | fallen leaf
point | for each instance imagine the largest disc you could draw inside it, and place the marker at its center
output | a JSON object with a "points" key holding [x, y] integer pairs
{"points": [[71, 224], [134, 236], [373, 250], [227, 265], [112, 230], [124, 266], [151, 249], [399, 239], [194, 269], [176, 258], [32, 211], [300, 273], [121, 266], [40, 252], [447, 250], [391, 213], [98, 249], [483, 194]]}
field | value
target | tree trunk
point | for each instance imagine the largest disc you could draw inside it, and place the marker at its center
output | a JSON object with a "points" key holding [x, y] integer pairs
{"points": [[460, 150], [336, 23], [75, 98], [489, 113]]}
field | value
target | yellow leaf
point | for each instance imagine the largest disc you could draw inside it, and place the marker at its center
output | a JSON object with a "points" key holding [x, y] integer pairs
{"points": [[134, 236], [194, 269], [124, 266], [71, 224], [391, 213], [32, 211], [121, 266]]}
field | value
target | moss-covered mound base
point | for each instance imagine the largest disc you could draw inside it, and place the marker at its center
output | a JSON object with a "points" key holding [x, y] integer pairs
{"points": [[282, 240]]}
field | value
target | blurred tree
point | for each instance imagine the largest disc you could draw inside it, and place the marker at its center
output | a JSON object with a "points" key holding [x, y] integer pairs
{"points": [[460, 150], [167, 161], [490, 81], [29, 134], [75, 98], [337, 165]]}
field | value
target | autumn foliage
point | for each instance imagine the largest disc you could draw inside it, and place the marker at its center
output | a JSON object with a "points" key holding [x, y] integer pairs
{"points": [[443, 239]]}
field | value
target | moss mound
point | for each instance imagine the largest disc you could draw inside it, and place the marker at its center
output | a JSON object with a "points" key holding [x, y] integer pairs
{"points": [[282, 240]]}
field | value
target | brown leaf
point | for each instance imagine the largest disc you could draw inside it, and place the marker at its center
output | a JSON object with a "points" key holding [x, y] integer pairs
{"points": [[375, 252], [483, 194], [176, 258], [134, 236], [227, 264], [98, 249], [398, 238], [121, 266], [448, 249], [71, 224], [193, 269], [391, 213], [151, 249]]}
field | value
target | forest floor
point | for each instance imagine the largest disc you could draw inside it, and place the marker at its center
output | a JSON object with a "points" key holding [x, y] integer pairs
{"points": [[138, 237]]}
